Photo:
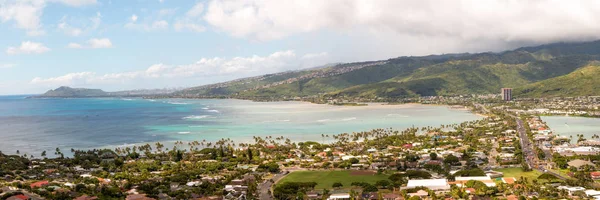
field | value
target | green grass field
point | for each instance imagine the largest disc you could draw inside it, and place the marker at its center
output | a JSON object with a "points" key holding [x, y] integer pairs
{"points": [[517, 172], [325, 179]]}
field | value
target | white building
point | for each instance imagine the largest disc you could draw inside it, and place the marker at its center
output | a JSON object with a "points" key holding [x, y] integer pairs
{"points": [[341, 196], [432, 184]]}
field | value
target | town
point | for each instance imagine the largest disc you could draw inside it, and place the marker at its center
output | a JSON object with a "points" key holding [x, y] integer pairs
{"points": [[510, 154]]}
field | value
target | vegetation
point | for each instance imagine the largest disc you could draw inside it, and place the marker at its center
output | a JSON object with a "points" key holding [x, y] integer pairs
{"points": [[518, 173], [326, 179], [453, 74], [582, 82]]}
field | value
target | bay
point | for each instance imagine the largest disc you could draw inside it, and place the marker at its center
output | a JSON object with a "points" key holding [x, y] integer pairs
{"points": [[35, 125], [571, 126]]}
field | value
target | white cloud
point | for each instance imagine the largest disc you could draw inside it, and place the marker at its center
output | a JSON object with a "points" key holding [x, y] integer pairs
{"points": [[196, 10], [81, 26], [96, 21], [69, 30], [74, 46], [187, 25], [207, 69], [25, 14], [94, 43], [160, 24], [27, 47], [67, 79], [146, 25], [76, 3], [191, 20], [167, 12], [98, 43], [468, 20], [6, 66]]}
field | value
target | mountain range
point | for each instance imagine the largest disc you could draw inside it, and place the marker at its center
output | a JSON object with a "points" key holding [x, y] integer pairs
{"points": [[559, 69], [68, 92]]}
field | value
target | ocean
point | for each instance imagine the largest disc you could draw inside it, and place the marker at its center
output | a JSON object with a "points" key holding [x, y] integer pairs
{"points": [[34, 125], [571, 126]]}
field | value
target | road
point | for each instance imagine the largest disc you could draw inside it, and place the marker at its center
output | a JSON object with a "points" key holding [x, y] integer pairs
{"points": [[528, 151], [265, 187], [482, 107], [526, 145]]}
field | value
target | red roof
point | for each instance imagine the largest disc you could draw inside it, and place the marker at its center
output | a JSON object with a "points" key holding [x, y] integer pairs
{"points": [[512, 197], [38, 184], [594, 173], [20, 196]]}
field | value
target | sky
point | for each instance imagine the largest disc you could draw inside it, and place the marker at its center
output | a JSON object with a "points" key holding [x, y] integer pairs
{"points": [[144, 44]]}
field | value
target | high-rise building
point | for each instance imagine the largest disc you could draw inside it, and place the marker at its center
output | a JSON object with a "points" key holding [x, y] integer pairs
{"points": [[506, 94]]}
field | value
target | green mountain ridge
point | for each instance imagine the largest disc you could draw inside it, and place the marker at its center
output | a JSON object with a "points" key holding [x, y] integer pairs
{"points": [[539, 71], [582, 82], [450, 74]]}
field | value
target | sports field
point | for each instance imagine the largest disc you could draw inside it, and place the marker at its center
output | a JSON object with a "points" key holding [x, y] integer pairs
{"points": [[517, 172], [325, 179]]}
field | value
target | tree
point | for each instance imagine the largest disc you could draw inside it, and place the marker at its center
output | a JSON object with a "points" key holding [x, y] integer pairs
{"points": [[382, 183], [547, 176], [353, 160], [43, 154], [270, 167], [451, 160], [250, 154], [433, 156], [337, 185], [397, 179]]}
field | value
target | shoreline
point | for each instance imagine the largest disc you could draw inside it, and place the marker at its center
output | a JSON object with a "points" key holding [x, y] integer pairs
{"points": [[296, 105]]}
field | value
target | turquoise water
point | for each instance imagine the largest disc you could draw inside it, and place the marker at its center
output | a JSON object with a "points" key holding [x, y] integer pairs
{"points": [[571, 126], [34, 125]]}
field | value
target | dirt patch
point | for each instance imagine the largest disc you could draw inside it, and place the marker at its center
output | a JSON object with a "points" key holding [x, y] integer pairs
{"points": [[362, 173]]}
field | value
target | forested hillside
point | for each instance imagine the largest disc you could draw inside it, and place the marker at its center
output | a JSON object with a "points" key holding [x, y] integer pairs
{"points": [[452, 74]]}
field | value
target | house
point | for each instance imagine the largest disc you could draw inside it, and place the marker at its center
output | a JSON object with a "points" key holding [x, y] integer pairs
{"points": [[571, 190], [18, 197], [470, 190], [71, 185], [391, 196], [578, 163], [38, 184], [339, 196], [193, 183], [86, 197], [8, 189], [420, 193], [509, 180], [595, 175], [138, 197], [592, 193], [313, 195], [512, 197], [432, 184]]}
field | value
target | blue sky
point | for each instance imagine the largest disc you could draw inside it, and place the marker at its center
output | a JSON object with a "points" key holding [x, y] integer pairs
{"points": [[134, 44]]}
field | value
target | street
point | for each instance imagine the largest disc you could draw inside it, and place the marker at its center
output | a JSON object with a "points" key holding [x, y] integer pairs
{"points": [[526, 146], [265, 187]]}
